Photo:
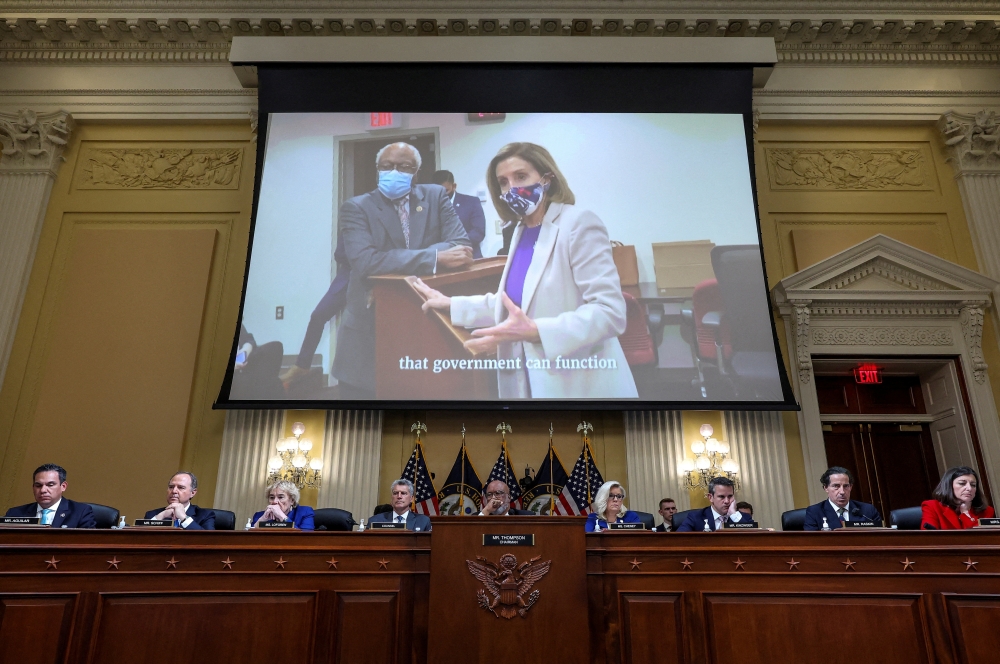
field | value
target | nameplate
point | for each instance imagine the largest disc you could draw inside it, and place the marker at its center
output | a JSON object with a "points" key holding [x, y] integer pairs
{"points": [[275, 524], [508, 540], [386, 525], [154, 523], [860, 524], [741, 525], [27, 520], [989, 523], [626, 526]]}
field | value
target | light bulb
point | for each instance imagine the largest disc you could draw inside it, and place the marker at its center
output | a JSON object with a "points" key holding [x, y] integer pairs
{"points": [[298, 428], [687, 465], [299, 461], [703, 463], [730, 466], [291, 444], [712, 445], [724, 447], [706, 430], [316, 464], [697, 447], [305, 445], [274, 463]]}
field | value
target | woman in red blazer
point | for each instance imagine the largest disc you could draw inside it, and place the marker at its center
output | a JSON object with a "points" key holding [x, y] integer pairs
{"points": [[958, 502]]}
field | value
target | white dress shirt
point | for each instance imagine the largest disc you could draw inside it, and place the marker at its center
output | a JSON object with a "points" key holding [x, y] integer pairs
{"points": [[53, 511], [736, 517], [846, 516], [395, 517]]}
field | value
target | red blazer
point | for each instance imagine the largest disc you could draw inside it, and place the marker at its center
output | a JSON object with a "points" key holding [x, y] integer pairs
{"points": [[938, 516]]}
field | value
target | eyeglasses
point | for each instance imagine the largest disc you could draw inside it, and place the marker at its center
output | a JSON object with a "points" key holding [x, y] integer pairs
{"points": [[616, 496], [402, 168], [496, 494]]}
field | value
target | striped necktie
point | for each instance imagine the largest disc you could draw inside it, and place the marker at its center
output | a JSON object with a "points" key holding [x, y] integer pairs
{"points": [[403, 210]]}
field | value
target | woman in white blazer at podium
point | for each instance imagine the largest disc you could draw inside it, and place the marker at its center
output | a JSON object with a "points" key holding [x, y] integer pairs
{"points": [[555, 319]]}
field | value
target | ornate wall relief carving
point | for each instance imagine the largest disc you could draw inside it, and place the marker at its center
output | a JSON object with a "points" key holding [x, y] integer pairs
{"points": [[847, 169], [971, 319], [160, 168], [973, 142], [888, 271], [802, 342], [882, 336], [33, 142]]}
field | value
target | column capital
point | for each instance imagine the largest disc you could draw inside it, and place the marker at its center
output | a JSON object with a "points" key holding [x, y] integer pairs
{"points": [[972, 142], [33, 142]]}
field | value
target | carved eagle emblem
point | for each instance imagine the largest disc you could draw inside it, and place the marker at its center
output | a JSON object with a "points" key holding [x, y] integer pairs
{"points": [[508, 583]]}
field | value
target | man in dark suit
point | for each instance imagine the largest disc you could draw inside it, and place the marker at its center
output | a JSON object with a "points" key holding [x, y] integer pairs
{"points": [[496, 501], [400, 228], [402, 499], [49, 484], [838, 507], [180, 490], [722, 496], [469, 209], [668, 507]]}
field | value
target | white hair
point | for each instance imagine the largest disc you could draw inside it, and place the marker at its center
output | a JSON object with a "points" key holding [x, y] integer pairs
{"points": [[287, 487], [403, 482], [399, 144], [601, 499]]}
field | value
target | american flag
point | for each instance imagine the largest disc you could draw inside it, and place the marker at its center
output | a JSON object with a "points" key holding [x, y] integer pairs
{"points": [[503, 470], [548, 485], [425, 495], [574, 498]]}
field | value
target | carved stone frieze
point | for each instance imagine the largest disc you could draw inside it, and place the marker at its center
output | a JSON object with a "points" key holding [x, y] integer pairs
{"points": [[847, 169], [160, 168], [886, 270], [972, 329], [972, 141], [33, 142], [882, 336], [802, 342], [895, 309]]}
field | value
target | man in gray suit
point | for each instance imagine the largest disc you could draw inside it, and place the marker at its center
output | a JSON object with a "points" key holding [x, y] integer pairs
{"points": [[400, 228]]}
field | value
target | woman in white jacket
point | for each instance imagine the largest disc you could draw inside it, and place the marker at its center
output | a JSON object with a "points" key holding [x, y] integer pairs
{"points": [[556, 316]]}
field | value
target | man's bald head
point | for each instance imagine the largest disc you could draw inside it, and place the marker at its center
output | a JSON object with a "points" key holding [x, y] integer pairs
{"points": [[497, 490]]}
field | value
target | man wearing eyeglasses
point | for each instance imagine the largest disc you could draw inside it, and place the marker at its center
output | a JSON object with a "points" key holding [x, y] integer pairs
{"points": [[496, 501], [399, 228]]}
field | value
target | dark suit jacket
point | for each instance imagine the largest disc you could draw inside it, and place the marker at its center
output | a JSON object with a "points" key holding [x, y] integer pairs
{"points": [[695, 521], [204, 519], [374, 244], [857, 510], [303, 516], [71, 514], [470, 213], [414, 521], [664, 528]]}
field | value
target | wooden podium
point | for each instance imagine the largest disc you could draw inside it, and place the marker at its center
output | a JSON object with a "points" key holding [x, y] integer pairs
{"points": [[402, 330], [555, 626]]}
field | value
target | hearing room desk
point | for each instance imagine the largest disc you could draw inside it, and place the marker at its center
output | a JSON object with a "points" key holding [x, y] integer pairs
{"points": [[104, 597]]}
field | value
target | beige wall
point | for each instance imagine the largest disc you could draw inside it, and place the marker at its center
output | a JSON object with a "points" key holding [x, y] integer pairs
{"points": [[129, 316]]}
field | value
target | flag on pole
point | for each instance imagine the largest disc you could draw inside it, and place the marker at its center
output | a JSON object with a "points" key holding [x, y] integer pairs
{"points": [[545, 495], [462, 493], [503, 470], [425, 499], [583, 484]]}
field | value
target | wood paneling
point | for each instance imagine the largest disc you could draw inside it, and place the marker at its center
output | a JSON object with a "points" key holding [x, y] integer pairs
{"points": [[205, 628], [760, 629], [652, 628], [34, 629], [973, 620], [366, 627]]}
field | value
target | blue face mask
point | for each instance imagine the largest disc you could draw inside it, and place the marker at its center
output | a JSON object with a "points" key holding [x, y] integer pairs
{"points": [[394, 184], [524, 200]]}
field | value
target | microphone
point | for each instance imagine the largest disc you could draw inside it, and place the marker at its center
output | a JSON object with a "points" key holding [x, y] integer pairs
{"points": [[857, 512]]}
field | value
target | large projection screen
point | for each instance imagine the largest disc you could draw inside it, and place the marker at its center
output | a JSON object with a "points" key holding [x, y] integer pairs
{"points": [[610, 210]]}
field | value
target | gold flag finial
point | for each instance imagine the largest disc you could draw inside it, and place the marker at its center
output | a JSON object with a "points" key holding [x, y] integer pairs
{"points": [[418, 426]]}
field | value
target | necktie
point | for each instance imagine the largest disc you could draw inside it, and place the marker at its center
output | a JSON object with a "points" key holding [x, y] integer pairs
{"points": [[399, 519], [842, 514], [177, 523], [718, 523], [47, 517], [403, 210]]}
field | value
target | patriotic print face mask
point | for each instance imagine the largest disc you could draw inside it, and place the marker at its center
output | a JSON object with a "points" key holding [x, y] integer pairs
{"points": [[524, 200]]}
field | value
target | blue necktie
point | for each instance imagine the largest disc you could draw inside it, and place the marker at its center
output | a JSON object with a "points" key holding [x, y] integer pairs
{"points": [[399, 519], [47, 517]]}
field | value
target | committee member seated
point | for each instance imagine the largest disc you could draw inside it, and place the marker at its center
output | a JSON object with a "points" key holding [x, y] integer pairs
{"points": [[958, 502], [609, 507], [48, 485], [745, 507], [180, 490], [668, 508], [838, 507], [496, 501], [402, 498], [722, 496], [283, 505]]}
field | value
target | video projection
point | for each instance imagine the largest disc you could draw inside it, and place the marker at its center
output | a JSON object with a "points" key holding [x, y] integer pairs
{"points": [[609, 257]]}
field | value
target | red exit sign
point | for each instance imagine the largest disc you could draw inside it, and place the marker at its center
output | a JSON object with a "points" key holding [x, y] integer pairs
{"points": [[384, 120], [868, 374]]}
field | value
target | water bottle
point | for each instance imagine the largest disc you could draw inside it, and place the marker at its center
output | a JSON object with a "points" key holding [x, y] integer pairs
{"points": [[597, 525], [826, 526], [361, 526], [121, 524], [707, 528], [249, 523]]}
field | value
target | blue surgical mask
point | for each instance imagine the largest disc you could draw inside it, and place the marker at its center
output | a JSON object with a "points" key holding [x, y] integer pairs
{"points": [[524, 200], [394, 184]]}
